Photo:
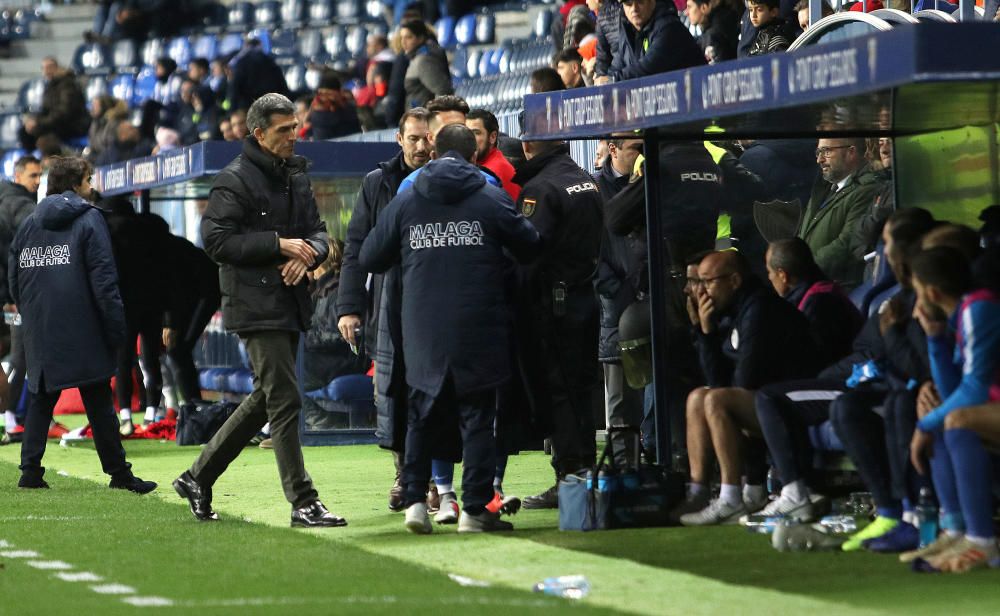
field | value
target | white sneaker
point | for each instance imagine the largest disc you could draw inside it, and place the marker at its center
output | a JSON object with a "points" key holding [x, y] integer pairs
{"points": [[75, 435], [786, 507], [692, 504], [717, 512], [417, 520], [448, 511], [756, 505]]}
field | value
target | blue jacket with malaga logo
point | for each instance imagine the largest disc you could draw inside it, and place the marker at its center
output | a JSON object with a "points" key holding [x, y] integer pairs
{"points": [[449, 235], [63, 279]]}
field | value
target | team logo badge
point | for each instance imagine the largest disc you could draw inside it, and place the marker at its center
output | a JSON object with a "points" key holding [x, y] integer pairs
{"points": [[528, 207]]}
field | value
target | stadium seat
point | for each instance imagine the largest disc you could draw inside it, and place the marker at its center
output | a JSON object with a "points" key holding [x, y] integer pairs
{"points": [[205, 46], [543, 25], [152, 50], [295, 78], [29, 97], [267, 14], [9, 159], [124, 56], [472, 65], [312, 78], [122, 87], [214, 18], [350, 388], [284, 44], [504, 61], [179, 50], [321, 12], [486, 28], [263, 35], [881, 298], [240, 17], [465, 30], [22, 20], [373, 10], [349, 10], [294, 12], [458, 67], [445, 29], [239, 381], [310, 44], [230, 44], [145, 83], [91, 59], [10, 125], [97, 85], [357, 38], [335, 41]]}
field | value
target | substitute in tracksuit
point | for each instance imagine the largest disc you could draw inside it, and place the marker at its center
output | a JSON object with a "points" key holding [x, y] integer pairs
{"points": [[60, 258], [449, 234]]}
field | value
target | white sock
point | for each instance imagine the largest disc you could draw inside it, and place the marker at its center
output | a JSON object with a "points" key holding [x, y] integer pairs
{"points": [[695, 489], [125, 414], [753, 494], [730, 494], [953, 533], [266, 429], [797, 491], [9, 420], [150, 413], [444, 488], [983, 542], [910, 517]]}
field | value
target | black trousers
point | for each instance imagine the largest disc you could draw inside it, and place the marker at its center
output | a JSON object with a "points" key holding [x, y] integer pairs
{"points": [[785, 411], [18, 367], [148, 328], [100, 414], [431, 421], [181, 355], [862, 431], [573, 376]]}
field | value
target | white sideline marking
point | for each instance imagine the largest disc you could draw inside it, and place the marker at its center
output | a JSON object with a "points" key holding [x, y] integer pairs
{"points": [[148, 601], [20, 554], [4, 544], [113, 589], [79, 576], [467, 581], [50, 518], [49, 564]]}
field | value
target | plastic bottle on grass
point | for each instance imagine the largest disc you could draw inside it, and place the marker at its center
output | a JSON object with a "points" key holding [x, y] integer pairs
{"points": [[927, 518], [567, 586]]}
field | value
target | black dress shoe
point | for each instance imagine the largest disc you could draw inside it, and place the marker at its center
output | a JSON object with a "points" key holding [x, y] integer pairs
{"points": [[548, 499], [32, 483], [132, 484], [199, 498], [315, 515]]}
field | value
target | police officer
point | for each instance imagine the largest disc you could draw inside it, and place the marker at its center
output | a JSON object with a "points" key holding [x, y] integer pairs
{"points": [[557, 312], [449, 233]]}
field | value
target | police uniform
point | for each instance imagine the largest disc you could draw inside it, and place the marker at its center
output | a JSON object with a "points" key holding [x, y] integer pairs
{"points": [[557, 318]]}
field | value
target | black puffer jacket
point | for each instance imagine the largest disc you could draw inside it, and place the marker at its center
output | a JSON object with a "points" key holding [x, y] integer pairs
{"points": [[254, 201], [255, 74], [608, 18], [64, 281], [16, 203], [662, 45], [64, 108], [720, 35], [449, 235]]}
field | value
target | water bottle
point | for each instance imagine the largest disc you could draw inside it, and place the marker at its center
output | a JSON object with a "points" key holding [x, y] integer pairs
{"points": [[566, 586], [927, 518]]}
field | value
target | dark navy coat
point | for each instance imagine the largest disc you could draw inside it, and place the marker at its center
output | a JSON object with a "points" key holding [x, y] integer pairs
{"points": [[63, 279], [449, 234]]}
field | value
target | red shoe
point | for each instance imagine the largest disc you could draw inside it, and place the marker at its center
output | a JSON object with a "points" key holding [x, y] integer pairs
{"points": [[57, 430], [171, 414], [15, 435], [508, 505]]}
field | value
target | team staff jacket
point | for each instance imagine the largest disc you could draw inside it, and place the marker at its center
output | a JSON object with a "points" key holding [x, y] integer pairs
{"points": [[254, 201], [833, 320], [662, 45], [965, 361], [16, 203], [63, 278], [449, 234], [761, 339]]}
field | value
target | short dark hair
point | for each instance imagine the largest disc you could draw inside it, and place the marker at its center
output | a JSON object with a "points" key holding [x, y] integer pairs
{"points": [[417, 113], [447, 102], [794, 256], [957, 237], [567, 55], [417, 27], [801, 5], [906, 238], [24, 161], [66, 173], [456, 138], [489, 120], [201, 63], [945, 268], [916, 215], [546, 79], [697, 258], [771, 4]]}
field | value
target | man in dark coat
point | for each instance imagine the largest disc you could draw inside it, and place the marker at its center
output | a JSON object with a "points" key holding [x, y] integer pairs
{"points": [[651, 40], [556, 311], [720, 28], [63, 257], [254, 73], [264, 230], [449, 233], [64, 107], [359, 303], [609, 13]]}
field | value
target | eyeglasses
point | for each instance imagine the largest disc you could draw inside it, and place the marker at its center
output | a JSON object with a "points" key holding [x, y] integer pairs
{"points": [[707, 281], [825, 152], [630, 2]]}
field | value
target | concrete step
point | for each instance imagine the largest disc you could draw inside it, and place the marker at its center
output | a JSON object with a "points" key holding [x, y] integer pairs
{"points": [[8, 100], [73, 28], [61, 48], [69, 12], [22, 67], [10, 83]]}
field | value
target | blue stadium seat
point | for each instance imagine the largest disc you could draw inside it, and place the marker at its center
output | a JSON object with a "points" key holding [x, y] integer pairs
{"points": [[881, 298], [321, 12], [230, 44], [264, 36], [124, 56], [152, 50], [22, 20], [350, 388], [486, 28], [465, 30], [883, 278], [543, 25], [445, 29], [214, 18], [312, 78], [310, 44], [472, 65], [357, 38], [97, 85], [9, 159], [10, 125], [284, 44], [373, 10], [240, 17], [145, 83], [205, 46], [29, 97], [294, 12], [504, 63], [122, 87], [335, 41], [267, 14], [91, 59], [295, 77], [179, 50], [239, 381], [77, 143], [458, 67], [349, 10]]}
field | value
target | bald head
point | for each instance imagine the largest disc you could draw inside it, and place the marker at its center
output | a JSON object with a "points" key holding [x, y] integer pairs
{"points": [[722, 274], [724, 263]]}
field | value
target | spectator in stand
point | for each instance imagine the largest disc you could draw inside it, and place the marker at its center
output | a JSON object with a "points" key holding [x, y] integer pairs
{"points": [[571, 13], [332, 114], [486, 129], [720, 28], [869, 227], [609, 13], [64, 108], [198, 71], [786, 166], [106, 113], [165, 91], [836, 206], [254, 73], [378, 70], [302, 116], [747, 338], [226, 130], [774, 33], [748, 33], [651, 40], [569, 65], [195, 116], [802, 11], [128, 144], [218, 80], [545, 80], [394, 104], [427, 75], [238, 124], [585, 35]]}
